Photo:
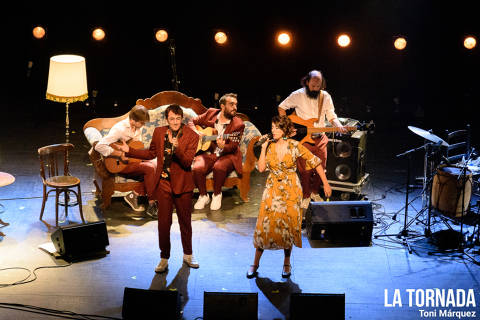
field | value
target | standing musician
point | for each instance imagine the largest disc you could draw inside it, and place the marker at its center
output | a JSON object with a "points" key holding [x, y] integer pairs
{"points": [[312, 102], [174, 146], [126, 130], [224, 155]]}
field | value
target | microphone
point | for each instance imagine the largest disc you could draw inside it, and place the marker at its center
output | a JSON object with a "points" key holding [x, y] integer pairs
{"points": [[262, 140]]}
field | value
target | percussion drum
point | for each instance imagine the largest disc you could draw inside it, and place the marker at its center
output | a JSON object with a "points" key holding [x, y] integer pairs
{"points": [[447, 191]]}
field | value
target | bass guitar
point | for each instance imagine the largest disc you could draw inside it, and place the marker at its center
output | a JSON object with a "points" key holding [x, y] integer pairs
{"points": [[115, 164], [305, 128], [210, 134]]}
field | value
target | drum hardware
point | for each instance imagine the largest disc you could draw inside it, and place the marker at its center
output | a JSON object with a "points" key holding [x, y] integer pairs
{"points": [[459, 176], [404, 233]]}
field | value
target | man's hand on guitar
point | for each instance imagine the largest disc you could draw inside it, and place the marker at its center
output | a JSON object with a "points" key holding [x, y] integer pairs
{"points": [[220, 143], [123, 158], [123, 146]]}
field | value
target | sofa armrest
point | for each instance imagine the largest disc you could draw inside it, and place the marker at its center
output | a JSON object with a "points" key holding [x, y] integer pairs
{"points": [[92, 134], [250, 136]]}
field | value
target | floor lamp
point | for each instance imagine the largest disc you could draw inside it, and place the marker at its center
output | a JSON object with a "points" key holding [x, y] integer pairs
{"points": [[67, 82]]}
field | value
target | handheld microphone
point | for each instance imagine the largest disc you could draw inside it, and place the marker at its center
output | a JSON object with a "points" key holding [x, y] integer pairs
{"points": [[262, 140]]}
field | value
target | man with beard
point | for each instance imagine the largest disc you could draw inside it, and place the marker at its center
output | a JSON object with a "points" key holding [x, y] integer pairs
{"points": [[312, 102], [224, 154]]}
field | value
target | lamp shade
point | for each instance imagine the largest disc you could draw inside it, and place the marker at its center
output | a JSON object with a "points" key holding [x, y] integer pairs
{"points": [[67, 79]]}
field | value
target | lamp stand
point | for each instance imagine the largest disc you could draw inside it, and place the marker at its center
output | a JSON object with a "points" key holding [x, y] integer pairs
{"points": [[67, 124]]}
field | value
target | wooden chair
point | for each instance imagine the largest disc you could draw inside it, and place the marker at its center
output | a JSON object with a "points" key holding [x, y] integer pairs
{"points": [[51, 159]]}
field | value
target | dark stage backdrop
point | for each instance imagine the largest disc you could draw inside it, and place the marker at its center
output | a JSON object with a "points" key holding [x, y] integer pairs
{"points": [[433, 84]]}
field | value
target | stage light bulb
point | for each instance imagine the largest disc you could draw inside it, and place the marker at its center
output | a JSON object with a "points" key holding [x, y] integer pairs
{"points": [[470, 42], [283, 38], [98, 34], [220, 37], [38, 32], [161, 35], [400, 43], [343, 40]]}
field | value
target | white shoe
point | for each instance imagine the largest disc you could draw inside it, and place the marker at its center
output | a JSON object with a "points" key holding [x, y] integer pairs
{"points": [[162, 266], [305, 203], [316, 197], [216, 202], [191, 261], [201, 202]]}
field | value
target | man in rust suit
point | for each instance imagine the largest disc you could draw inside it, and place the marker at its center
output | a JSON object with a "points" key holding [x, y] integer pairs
{"points": [[224, 155], [174, 146]]}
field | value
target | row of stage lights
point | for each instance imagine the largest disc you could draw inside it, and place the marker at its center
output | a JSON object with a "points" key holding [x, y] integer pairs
{"points": [[283, 38]]}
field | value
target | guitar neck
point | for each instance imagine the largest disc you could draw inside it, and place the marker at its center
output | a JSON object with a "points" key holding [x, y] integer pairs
{"points": [[328, 129], [214, 137]]}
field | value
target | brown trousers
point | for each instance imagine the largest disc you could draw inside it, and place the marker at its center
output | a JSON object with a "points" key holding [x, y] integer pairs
{"points": [[183, 204], [206, 163], [145, 169], [310, 179]]}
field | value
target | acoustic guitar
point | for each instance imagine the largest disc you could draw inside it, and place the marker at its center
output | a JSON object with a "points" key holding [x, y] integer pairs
{"points": [[115, 164], [305, 128], [210, 134]]}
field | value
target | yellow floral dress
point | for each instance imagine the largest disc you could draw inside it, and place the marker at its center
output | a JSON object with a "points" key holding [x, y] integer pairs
{"points": [[279, 222]]}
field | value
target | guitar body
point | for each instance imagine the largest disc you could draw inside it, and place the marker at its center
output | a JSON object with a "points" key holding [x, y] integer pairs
{"points": [[305, 128], [115, 164], [204, 143], [210, 134]]}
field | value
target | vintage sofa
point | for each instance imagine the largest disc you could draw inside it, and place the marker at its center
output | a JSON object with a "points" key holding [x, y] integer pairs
{"points": [[108, 184]]}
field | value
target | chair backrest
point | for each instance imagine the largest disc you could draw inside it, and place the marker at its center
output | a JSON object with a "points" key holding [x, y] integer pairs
{"points": [[459, 144], [53, 158]]}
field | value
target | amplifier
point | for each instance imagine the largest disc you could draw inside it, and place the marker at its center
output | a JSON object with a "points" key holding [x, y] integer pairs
{"points": [[340, 221]]}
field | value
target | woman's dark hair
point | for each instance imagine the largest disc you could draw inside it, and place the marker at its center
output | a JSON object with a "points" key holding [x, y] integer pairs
{"points": [[307, 78], [284, 123], [175, 108]]}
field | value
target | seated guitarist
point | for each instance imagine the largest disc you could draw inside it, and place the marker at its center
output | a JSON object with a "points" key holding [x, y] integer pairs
{"points": [[125, 130], [312, 102], [224, 155]]}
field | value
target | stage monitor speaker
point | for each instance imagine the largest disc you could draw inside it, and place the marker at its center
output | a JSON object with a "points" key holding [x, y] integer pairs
{"points": [[81, 241], [324, 306], [151, 304], [230, 306], [340, 221], [346, 157]]}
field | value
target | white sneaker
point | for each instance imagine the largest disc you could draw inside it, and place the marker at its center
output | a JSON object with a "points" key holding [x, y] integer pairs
{"points": [[216, 202], [316, 197], [162, 266], [305, 203], [191, 261], [201, 202]]}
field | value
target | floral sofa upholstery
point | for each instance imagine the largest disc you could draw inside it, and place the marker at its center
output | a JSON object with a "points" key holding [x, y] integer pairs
{"points": [[108, 184]]}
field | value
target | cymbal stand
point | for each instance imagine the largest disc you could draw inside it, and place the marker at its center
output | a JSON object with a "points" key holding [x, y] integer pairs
{"points": [[404, 233]]}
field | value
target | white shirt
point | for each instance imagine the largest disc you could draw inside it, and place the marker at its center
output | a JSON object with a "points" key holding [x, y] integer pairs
{"points": [[220, 127], [307, 108], [120, 131]]}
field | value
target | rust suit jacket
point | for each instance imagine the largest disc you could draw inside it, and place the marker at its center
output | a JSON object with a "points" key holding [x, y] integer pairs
{"points": [[180, 168], [231, 149]]}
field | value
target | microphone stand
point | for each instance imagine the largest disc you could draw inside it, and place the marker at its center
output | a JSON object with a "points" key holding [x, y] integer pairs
{"points": [[404, 232], [175, 82]]}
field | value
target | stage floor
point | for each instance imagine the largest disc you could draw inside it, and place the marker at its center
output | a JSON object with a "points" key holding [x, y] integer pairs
{"points": [[373, 278]]}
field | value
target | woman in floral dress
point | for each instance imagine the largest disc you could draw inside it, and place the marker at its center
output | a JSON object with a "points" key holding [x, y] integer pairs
{"points": [[279, 222]]}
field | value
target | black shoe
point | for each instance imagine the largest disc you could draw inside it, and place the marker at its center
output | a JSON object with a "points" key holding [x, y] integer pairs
{"points": [[152, 210], [286, 274], [252, 273]]}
